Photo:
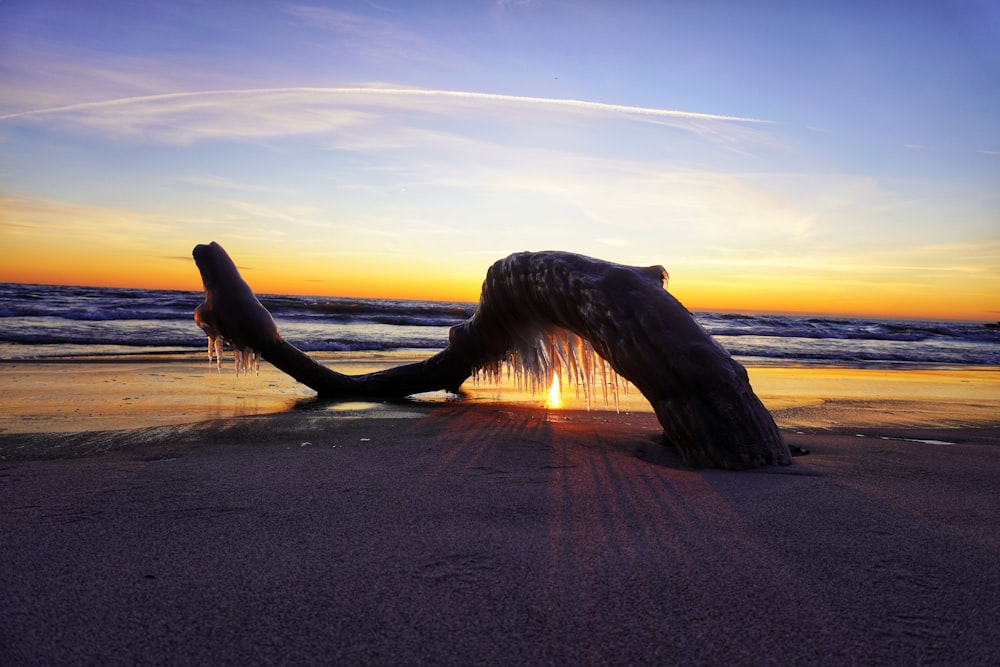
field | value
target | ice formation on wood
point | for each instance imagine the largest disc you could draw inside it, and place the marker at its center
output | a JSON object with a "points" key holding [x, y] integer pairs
{"points": [[543, 313], [206, 320], [231, 312], [560, 356]]}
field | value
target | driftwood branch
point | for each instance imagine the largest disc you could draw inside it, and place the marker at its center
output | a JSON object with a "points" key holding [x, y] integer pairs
{"points": [[700, 394]]}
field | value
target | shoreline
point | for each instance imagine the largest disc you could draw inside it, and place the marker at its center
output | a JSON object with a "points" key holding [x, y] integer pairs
{"points": [[123, 393]]}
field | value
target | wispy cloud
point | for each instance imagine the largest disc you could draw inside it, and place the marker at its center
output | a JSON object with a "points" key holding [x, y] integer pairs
{"points": [[355, 95], [375, 39], [30, 215], [221, 183], [910, 265], [252, 210]]}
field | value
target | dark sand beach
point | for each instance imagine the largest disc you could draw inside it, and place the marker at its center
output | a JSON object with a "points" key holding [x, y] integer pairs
{"points": [[158, 513]]}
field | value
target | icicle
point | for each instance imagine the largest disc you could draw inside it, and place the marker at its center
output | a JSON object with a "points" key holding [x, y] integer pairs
{"points": [[614, 380], [539, 359], [604, 381], [246, 360], [215, 351], [588, 377], [218, 353]]}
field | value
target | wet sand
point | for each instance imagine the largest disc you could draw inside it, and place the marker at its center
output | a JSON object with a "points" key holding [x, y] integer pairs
{"points": [[278, 529], [113, 393]]}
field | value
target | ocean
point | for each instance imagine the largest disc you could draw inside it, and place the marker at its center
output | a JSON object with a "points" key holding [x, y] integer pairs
{"points": [[57, 321]]}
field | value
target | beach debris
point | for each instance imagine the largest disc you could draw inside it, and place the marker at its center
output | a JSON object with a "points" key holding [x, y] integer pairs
{"points": [[922, 441], [543, 315]]}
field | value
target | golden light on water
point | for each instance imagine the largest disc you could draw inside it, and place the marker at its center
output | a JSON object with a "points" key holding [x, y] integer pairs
{"points": [[554, 398]]}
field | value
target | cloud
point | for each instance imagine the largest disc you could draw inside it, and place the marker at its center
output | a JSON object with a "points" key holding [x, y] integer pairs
{"points": [[30, 215], [375, 119], [374, 39], [221, 183], [204, 100]]}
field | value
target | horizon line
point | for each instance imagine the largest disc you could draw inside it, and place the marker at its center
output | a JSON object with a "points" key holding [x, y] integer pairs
{"points": [[696, 309]]}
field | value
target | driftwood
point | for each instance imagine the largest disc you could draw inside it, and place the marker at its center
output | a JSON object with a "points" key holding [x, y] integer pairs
{"points": [[700, 394]]}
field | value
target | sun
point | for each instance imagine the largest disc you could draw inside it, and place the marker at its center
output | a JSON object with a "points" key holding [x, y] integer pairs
{"points": [[554, 397]]}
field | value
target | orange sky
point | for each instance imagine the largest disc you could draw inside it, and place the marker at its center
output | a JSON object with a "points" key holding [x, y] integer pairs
{"points": [[60, 262]]}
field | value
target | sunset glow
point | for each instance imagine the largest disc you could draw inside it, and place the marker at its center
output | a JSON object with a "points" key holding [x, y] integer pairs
{"points": [[838, 160], [554, 398]]}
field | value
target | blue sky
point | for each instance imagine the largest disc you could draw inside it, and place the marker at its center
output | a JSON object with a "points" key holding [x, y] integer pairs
{"points": [[819, 157]]}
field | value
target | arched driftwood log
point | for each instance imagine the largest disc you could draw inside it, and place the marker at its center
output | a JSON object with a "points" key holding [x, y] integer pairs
{"points": [[700, 394]]}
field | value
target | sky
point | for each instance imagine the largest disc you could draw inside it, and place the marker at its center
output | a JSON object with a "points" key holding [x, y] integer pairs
{"points": [[820, 157]]}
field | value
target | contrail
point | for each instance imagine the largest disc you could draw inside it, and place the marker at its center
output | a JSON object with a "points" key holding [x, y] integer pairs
{"points": [[392, 92]]}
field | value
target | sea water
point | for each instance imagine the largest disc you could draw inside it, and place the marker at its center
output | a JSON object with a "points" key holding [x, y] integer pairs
{"points": [[52, 321]]}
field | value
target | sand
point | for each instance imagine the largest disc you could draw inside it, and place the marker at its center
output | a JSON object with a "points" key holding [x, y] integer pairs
{"points": [[278, 529]]}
